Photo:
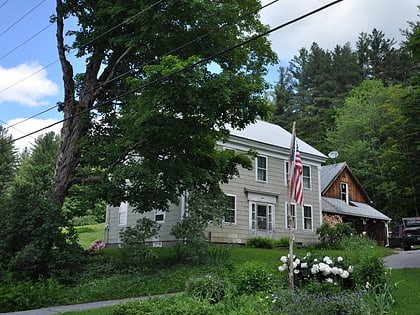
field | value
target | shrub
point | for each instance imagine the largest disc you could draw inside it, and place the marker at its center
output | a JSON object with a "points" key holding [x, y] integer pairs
{"points": [[261, 242], [174, 305], [28, 295], [135, 251], [253, 277], [310, 269], [283, 242], [331, 236], [370, 271], [302, 302], [210, 287]]}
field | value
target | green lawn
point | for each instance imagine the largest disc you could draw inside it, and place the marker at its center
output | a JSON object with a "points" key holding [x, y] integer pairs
{"points": [[89, 233]]}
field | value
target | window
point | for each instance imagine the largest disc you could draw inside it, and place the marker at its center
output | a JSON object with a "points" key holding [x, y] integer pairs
{"points": [[230, 213], [306, 177], [262, 216], [344, 192], [293, 210], [307, 217], [122, 213], [159, 216], [261, 162]]}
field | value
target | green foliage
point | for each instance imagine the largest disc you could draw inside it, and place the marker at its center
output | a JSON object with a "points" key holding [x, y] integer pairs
{"points": [[304, 302], [378, 299], [175, 305], [253, 277], [210, 287], [261, 242], [8, 159], [332, 236], [218, 256], [36, 240], [370, 272], [133, 239], [29, 295], [203, 208]]}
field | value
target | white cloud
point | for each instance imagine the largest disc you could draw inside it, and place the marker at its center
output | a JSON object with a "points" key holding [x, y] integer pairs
{"points": [[338, 24], [26, 84], [29, 126]]}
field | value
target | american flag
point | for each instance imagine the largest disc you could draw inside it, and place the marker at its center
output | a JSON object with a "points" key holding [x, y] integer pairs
{"points": [[295, 173]]}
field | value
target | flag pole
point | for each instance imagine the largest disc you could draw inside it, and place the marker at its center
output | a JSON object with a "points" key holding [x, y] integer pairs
{"points": [[289, 209]]}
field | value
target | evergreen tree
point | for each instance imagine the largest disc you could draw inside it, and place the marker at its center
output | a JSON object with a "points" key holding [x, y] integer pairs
{"points": [[8, 159], [33, 242]]}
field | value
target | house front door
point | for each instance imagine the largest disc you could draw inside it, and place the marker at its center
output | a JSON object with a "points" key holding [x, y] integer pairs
{"points": [[261, 219]]}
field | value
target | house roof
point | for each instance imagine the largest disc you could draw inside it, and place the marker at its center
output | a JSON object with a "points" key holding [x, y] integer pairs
{"points": [[357, 209], [329, 173], [268, 133]]}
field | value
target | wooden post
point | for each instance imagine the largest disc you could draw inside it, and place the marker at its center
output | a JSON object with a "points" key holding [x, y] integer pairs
{"points": [[289, 212]]}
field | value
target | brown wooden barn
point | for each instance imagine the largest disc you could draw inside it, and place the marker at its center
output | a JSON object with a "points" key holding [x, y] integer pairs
{"points": [[345, 200]]}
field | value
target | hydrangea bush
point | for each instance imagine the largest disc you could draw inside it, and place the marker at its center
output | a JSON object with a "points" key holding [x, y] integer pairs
{"points": [[335, 271]]}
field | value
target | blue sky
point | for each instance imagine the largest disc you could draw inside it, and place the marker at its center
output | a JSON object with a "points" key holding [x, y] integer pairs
{"points": [[30, 74]]}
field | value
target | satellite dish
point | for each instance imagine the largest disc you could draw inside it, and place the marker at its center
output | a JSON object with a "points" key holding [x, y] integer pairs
{"points": [[333, 154]]}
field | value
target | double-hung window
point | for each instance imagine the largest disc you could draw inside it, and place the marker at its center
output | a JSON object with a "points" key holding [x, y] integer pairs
{"points": [[306, 177], [344, 192], [230, 212], [307, 217], [122, 213], [261, 168]]}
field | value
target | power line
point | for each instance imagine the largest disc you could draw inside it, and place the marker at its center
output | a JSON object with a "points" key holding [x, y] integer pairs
{"points": [[21, 18], [24, 42], [165, 54], [189, 66], [1, 5]]}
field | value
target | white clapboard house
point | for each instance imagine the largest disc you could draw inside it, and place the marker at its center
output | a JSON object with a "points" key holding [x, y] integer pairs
{"points": [[258, 197]]}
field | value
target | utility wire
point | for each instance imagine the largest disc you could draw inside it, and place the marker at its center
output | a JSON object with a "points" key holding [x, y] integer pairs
{"points": [[24, 42], [1, 5], [189, 66], [147, 63], [25, 15]]}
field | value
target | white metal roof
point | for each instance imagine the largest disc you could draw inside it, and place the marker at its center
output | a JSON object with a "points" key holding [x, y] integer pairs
{"points": [[272, 134]]}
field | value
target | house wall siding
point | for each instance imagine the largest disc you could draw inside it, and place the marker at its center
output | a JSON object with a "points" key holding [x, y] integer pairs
{"points": [[355, 193]]}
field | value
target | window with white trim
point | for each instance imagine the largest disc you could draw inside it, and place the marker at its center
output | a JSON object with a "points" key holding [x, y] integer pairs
{"points": [[159, 216], [230, 213], [122, 213], [307, 217], [344, 188], [261, 168], [306, 177], [294, 218]]}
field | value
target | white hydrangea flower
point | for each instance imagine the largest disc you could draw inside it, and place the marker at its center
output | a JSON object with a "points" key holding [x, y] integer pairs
{"points": [[296, 271], [334, 270], [329, 280], [315, 269], [297, 261], [350, 269], [327, 260], [282, 267], [345, 274], [340, 259], [304, 265], [283, 259]]}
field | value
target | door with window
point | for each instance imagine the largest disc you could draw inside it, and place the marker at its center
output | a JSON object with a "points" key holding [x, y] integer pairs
{"points": [[262, 219]]}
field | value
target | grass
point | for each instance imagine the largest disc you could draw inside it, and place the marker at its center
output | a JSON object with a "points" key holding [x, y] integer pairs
{"points": [[88, 233], [407, 295]]}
